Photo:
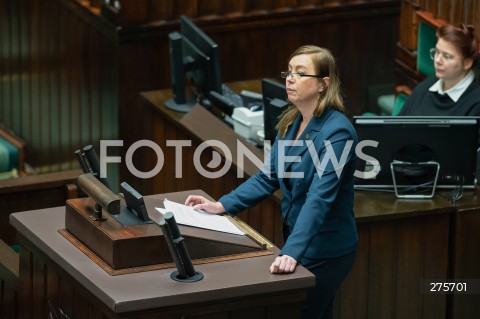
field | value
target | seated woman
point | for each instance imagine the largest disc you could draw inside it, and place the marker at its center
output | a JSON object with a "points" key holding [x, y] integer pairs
{"points": [[454, 90]]}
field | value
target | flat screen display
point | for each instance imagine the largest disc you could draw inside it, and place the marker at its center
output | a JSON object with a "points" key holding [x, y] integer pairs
{"points": [[413, 151]]}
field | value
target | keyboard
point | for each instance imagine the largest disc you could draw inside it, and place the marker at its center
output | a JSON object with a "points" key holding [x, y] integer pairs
{"points": [[228, 100], [230, 95]]}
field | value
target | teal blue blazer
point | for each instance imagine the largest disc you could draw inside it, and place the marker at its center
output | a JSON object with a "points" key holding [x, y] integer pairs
{"points": [[317, 201]]}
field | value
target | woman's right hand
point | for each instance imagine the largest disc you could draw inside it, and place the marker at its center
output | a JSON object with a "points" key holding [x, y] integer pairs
{"points": [[201, 203]]}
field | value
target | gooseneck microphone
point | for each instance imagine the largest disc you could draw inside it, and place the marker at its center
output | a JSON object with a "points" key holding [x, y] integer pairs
{"points": [[103, 196], [89, 163]]}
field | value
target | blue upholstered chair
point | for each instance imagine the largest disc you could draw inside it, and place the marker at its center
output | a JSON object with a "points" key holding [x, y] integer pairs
{"points": [[11, 154], [392, 104]]}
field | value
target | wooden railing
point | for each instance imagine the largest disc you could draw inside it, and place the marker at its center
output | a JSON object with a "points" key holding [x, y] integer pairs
{"points": [[33, 192]]}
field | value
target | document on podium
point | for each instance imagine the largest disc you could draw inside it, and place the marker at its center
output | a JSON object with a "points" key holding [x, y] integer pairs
{"points": [[186, 215]]}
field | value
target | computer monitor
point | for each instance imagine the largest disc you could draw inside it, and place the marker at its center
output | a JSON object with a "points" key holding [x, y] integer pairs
{"points": [[415, 154], [274, 103], [194, 62]]}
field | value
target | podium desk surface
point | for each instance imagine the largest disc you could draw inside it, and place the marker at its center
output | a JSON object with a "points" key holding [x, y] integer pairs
{"points": [[153, 289]]}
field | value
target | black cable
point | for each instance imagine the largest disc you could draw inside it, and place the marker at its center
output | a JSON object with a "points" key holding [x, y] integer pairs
{"points": [[457, 192]]}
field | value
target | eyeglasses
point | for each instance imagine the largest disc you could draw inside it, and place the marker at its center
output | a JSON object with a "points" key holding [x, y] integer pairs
{"points": [[297, 75], [434, 52]]}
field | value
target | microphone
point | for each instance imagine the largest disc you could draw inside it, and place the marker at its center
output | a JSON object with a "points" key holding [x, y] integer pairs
{"points": [[176, 244], [89, 163], [102, 195], [92, 157]]}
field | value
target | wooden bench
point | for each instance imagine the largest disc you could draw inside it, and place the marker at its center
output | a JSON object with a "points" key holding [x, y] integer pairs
{"points": [[9, 281], [20, 194], [33, 192]]}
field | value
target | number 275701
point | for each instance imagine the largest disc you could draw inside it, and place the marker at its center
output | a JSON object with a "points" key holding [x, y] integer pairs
{"points": [[448, 287]]}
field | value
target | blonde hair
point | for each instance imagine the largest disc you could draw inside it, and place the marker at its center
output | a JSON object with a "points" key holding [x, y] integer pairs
{"points": [[325, 66]]}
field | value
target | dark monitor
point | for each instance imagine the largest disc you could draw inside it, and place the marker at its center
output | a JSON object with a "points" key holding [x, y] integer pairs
{"points": [[194, 62], [134, 201], [415, 154], [274, 103]]}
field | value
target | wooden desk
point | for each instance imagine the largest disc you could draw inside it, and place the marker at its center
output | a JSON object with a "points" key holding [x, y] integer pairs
{"points": [[52, 269], [401, 241], [465, 257]]}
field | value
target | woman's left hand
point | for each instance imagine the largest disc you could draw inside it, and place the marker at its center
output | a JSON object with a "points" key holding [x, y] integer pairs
{"points": [[283, 264]]}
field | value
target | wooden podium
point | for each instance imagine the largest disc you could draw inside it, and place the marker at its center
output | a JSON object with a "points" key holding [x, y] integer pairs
{"points": [[120, 249], [56, 273]]}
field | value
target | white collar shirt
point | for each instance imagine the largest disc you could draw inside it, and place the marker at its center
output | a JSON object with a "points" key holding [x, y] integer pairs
{"points": [[454, 92]]}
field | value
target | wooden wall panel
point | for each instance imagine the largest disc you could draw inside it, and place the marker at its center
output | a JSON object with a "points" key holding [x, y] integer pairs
{"points": [[466, 263], [472, 11], [70, 77], [134, 12], [443, 10], [456, 12], [49, 80], [393, 257], [255, 47]]}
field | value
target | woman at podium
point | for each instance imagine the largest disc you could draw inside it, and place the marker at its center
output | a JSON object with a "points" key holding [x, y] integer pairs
{"points": [[312, 162]]}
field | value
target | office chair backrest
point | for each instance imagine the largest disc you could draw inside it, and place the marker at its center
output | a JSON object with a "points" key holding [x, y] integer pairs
{"points": [[11, 152], [427, 39], [398, 104]]}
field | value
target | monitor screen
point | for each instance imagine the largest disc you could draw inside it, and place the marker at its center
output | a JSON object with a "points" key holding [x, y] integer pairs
{"points": [[274, 103], [195, 63], [415, 152]]}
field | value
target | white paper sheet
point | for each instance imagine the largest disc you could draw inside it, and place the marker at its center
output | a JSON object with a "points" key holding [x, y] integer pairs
{"points": [[186, 215]]}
